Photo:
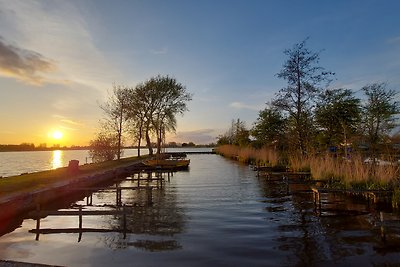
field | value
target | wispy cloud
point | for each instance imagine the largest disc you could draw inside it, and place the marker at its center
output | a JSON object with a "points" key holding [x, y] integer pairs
{"points": [[24, 65], [394, 40], [71, 122], [239, 105], [60, 30]]}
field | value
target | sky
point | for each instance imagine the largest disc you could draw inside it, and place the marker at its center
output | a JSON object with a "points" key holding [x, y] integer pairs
{"points": [[59, 59]]}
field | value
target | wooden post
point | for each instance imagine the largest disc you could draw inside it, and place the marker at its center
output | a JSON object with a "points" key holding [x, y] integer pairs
{"points": [[124, 216], [383, 234], [80, 224], [37, 221], [319, 203], [168, 176], [149, 196], [118, 196]]}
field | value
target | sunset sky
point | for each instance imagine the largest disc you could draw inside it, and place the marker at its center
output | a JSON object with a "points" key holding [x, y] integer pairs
{"points": [[58, 59]]}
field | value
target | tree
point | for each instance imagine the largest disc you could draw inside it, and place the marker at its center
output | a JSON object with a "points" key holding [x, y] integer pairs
{"points": [[167, 98], [304, 77], [379, 112], [237, 134], [337, 114], [104, 147], [269, 127], [116, 110]]}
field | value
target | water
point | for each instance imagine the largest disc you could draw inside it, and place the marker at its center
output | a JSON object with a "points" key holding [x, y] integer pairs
{"points": [[217, 214], [15, 163]]}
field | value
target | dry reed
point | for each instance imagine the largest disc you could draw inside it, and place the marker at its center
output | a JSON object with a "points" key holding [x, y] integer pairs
{"points": [[348, 173], [264, 156]]}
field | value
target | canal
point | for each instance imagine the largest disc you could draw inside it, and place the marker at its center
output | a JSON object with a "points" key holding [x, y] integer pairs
{"points": [[218, 213]]}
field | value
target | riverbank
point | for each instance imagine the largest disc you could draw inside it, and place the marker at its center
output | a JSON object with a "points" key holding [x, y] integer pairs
{"points": [[336, 173], [22, 193]]}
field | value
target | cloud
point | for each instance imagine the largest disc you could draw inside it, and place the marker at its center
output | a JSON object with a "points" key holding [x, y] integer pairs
{"points": [[24, 65], [71, 122], [394, 40], [62, 31], [239, 105]]}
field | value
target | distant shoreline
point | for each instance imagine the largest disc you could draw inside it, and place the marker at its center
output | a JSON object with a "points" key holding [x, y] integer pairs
{"points": [[18, 148]]}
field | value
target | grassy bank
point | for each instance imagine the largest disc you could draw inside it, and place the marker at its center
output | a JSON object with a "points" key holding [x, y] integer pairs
{"points": [[337, 172], [38, 180]]}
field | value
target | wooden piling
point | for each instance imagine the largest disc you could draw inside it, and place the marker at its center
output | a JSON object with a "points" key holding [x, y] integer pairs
{"points": [[80, 224], [37, 221]]}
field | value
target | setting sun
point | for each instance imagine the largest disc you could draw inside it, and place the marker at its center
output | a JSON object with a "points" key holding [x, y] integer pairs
{"points": [[57, 134]]}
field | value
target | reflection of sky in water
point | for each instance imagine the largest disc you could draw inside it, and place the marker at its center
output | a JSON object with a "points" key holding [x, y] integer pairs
{"points": [[57, 160]]}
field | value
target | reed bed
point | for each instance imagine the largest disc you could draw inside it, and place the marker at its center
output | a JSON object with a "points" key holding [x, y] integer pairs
{"points": [[338, 172], [353, 173], [262, 157]]}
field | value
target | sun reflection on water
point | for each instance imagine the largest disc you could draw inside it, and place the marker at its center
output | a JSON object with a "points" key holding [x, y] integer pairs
{"points": [[57, 161]]}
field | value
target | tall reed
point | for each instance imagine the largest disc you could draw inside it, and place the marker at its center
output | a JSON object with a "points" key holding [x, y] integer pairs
{"points": [[264, 156], [349, 173]]}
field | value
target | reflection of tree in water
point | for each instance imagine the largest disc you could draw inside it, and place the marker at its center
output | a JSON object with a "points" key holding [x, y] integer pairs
{"points": [[346, 231], [298, 228], [164, 218]]}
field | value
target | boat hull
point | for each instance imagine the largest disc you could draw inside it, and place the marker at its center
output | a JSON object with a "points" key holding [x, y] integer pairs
{"points": [[168, 163]]}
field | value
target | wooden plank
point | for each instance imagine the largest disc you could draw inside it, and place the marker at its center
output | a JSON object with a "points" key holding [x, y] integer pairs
{"points": [[327, 190], [110, 188], [76, 230], [44, 213]]}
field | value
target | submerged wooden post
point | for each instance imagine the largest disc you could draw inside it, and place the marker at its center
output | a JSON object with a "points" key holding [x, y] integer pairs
{"points": [[168, 176], [37, 221], [383, 233], [149, 196], [118, 196], [80, 224], [124, 216]]}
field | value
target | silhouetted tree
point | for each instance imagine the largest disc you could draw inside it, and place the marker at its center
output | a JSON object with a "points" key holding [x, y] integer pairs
{"points": [[104, 147], [116, 110], [379, 112], [338, 116], [156, 103], [269, 128], [304, 77]]}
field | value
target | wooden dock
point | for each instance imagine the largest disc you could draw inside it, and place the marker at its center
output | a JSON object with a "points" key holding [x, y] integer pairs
{"points": [[38, 214]]}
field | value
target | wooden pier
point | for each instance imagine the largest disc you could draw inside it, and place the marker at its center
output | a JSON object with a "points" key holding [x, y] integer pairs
{"points": [[153, 180], [38, 214]]}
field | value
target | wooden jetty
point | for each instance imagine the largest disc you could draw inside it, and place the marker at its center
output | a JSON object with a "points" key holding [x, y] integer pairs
{"points": [[38, 214], [14, 206]]}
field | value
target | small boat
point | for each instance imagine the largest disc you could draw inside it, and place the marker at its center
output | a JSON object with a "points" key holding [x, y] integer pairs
{"points": [[168, 162]]}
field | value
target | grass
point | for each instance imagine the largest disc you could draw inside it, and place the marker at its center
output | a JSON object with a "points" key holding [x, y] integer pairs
{"points": [[38, 180]]}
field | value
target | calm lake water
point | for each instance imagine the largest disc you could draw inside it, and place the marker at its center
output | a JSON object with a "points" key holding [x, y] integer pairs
{"points": [[15, 163], [218, 213]]}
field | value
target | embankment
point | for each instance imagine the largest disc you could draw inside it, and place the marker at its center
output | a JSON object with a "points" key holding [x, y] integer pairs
{"points": [[13, 203]]}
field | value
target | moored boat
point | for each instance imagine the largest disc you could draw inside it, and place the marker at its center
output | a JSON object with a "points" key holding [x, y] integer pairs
{"points": [[168, 163]]}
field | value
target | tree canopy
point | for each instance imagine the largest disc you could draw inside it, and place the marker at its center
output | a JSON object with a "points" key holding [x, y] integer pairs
{"points": [[304, 77]]}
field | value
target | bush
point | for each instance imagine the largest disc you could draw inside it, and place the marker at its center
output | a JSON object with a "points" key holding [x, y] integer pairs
{"points": [[103, 148]]}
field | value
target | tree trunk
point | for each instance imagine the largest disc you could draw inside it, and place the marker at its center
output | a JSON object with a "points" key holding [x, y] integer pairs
{"points": [[140, 138], [149, 142]]}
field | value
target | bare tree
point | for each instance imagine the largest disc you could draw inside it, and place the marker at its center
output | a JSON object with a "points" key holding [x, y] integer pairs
{"points": [[304, 76], [116, 110]]}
